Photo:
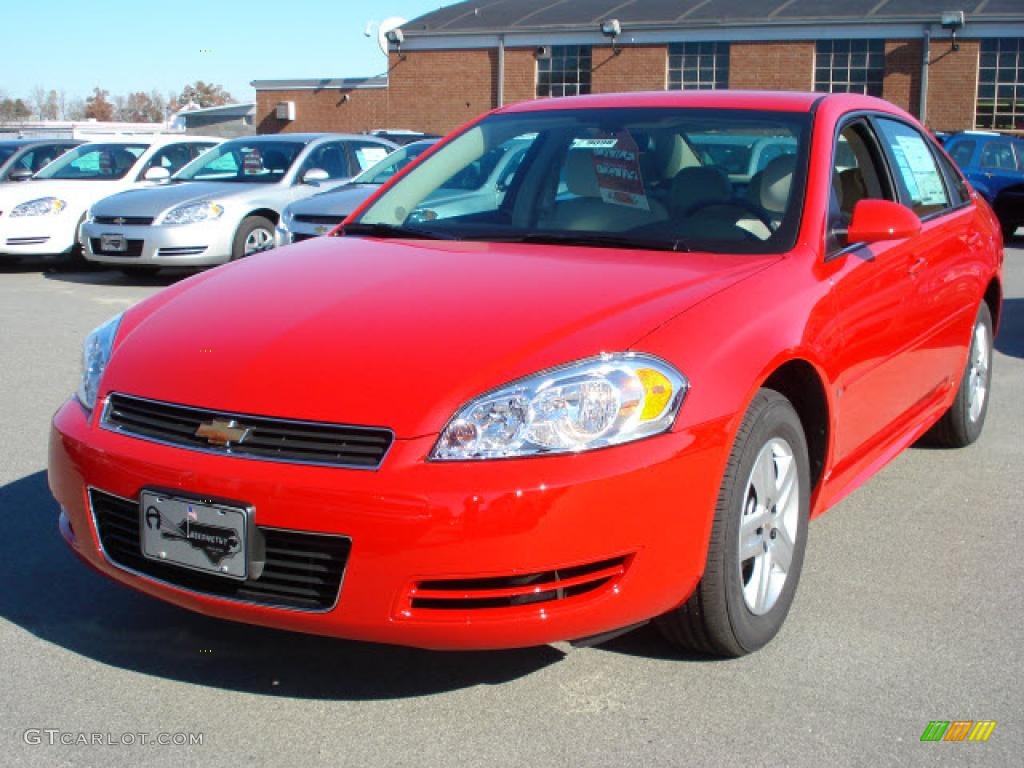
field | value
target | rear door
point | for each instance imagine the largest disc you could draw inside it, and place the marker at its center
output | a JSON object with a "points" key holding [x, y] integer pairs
{"points": [[941, 306]]}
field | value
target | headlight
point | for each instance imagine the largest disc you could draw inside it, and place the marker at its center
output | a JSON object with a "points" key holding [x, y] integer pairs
{"points": [[194, 213], [588, 404], [40, 207], [95, 356]]}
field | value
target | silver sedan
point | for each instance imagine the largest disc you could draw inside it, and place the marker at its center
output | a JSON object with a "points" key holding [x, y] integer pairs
{"points": [[224, 205]]}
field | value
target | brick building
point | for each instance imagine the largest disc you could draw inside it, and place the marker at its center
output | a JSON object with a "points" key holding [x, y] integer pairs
{"points": [[955, 65]]}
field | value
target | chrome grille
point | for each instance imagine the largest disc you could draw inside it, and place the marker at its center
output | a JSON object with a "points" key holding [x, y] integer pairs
{"points": [[270, 439], [128, 221]]}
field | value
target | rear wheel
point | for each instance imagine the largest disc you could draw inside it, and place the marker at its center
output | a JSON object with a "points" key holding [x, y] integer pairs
{"points": [[758, 538], [961, 425], [255, 234]]}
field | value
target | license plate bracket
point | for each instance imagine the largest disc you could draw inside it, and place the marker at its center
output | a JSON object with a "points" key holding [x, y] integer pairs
{"points": [[113, 243], [201, 535]]}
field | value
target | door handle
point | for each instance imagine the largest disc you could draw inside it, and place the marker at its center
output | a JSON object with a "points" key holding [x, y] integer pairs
{"points": [[917, 266]]}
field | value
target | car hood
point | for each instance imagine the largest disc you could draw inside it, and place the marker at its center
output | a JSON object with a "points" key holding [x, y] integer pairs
{"points": [[154, 201], [336, 202], [398, 333]]}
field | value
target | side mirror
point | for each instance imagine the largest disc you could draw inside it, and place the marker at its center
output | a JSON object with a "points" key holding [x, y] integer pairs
{"points": [[19, 174], [315, 176], [157, 173], [876, 220]]}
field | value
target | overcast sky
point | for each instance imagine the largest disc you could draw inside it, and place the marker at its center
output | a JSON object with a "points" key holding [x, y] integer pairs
{"points": [[74, 45]]}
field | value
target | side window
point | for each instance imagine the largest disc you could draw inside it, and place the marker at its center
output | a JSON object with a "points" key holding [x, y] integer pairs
{"points": [[199, 149], [172, 157], [367, 153], [328, 157], [958, 189], [962, 152], [921, 183], [858, 173], [998, 155]]}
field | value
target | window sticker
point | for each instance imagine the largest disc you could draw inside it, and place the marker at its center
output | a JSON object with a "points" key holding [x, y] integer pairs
{"points": [[367, 156], [919, 172], [594, 143], [252, 161], [618, 172]]}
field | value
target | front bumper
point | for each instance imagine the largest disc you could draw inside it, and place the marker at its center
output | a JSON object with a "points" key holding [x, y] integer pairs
{"points": [[647, 505], [190, 245], [38, 235]]}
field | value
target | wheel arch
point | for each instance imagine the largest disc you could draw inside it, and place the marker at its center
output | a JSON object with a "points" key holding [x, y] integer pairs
{"points": [[267, 213], [801, 383], [994, 298]]}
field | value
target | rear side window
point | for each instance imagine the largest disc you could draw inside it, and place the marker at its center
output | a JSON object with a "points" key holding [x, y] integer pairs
{"points": [[998, 155], [921, 182], [962, 152]]}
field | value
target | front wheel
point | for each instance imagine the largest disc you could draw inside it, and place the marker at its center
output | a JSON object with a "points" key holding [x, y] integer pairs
{"points": [[961, 425], [758, 538], [255, 234]]}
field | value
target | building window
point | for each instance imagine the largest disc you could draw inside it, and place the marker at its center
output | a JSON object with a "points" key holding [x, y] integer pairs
{"points": [[700, 66], [566, 72], [849, 66], [1001, 84]]}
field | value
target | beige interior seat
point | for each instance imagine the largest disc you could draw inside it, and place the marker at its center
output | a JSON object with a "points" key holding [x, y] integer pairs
{"points": [[587, 210]]}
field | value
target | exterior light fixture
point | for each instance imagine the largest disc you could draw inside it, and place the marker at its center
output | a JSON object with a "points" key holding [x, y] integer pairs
{"points": [[612, 28], [396, 37], [953, 20]]}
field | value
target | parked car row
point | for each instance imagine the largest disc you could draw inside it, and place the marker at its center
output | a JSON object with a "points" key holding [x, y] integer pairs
{"points": [[146, 202]]}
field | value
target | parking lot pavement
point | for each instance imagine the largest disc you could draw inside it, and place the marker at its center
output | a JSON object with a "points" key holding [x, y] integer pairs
{"points": [[909, 611]]}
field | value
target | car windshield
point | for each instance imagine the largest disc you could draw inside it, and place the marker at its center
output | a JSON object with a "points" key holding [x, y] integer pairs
{"points": [[249, 161], [378, 173], [726, 181], [94, 162]]}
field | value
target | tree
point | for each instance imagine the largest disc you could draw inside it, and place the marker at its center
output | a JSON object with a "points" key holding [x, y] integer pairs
{"points": [[202, 95], [74, 110], [140, 107], [97, 107], [14, 109]]}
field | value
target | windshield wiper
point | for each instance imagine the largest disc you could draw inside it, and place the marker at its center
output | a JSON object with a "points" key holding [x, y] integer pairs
{"points": [[395, 230], [591, 239]]}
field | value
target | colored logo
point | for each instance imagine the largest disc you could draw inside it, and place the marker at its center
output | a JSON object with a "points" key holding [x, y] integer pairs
{"points": [[958, 730], [219, 432]]}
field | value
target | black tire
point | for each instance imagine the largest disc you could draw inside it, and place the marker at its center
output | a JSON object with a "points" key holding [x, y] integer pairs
{"points": [[249, 225], [717, 618], [1008, 230], [959, 426]]}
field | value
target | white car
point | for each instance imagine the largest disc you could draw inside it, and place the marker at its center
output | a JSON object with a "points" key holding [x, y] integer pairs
{"points": [[44, 214], [226, 204]]}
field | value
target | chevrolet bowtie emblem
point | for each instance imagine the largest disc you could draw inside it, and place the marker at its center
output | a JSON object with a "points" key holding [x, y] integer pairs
{"points": [[119, 220], [220, 432]]}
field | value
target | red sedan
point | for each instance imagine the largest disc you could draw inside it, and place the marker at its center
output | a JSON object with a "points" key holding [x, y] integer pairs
{"points": [[608, 384]]}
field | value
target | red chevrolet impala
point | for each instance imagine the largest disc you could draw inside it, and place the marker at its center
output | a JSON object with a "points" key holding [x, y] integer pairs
{"points": [[610, 383]]}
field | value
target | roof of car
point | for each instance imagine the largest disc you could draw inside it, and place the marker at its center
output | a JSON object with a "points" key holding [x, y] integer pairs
{"points": [[776, 101], [305, 138], [24, 141]]}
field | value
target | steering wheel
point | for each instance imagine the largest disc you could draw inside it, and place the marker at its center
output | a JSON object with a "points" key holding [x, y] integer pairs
{"points": [[758, 212]]}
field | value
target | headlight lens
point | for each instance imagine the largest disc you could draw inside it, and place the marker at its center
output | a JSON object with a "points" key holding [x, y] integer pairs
{"points": [[41, 207], [588, 404], [95, 356], [194, 213]]}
